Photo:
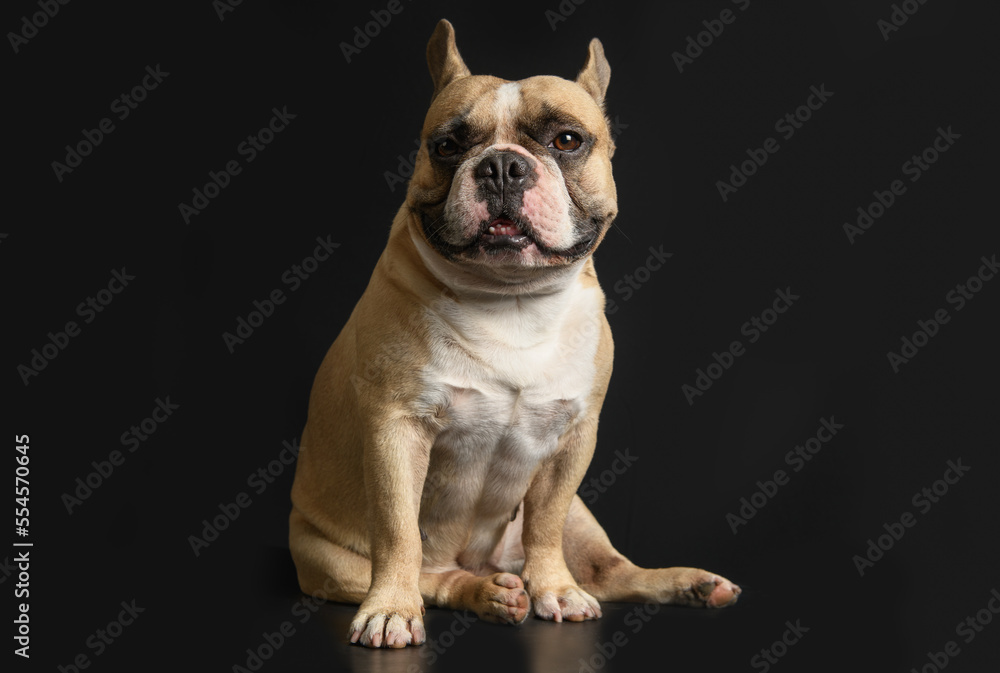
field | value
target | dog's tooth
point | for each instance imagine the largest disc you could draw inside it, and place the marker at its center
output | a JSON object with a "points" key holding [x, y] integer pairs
{"points": [[493, 230]]}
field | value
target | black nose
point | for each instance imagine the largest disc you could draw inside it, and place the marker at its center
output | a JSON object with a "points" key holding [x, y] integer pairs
{"points": [[504, 173]]}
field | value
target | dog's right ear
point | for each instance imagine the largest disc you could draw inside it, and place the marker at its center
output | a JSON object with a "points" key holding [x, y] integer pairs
{"points": [[596, 72], [443, 59]]}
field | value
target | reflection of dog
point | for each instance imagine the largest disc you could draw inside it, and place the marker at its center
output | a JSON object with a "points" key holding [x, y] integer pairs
{"points": [[454, 417]]}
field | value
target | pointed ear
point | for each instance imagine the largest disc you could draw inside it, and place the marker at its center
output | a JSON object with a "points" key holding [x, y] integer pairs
{"points": [[443, 59], [596, 72]]}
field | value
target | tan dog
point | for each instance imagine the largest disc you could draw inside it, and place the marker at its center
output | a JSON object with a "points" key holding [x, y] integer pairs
{"points": [[454, 417]]}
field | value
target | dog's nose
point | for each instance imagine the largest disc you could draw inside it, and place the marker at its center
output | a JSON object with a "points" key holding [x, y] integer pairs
{"points": [[503, 173]]}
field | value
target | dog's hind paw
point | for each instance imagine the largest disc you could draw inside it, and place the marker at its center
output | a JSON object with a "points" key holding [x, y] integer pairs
{"points": [[501, 598], [717, 592]]}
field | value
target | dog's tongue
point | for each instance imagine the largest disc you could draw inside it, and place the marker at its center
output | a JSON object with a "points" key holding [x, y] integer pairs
{"points": [[504, 228]]}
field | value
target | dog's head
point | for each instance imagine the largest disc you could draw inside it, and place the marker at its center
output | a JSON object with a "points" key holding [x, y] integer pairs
{"points": [[513, 176]]}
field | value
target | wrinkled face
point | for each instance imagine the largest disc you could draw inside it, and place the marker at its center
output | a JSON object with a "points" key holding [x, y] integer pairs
{"points": [[514, 174]]}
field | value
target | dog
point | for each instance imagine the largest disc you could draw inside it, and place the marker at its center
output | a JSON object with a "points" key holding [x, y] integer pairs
{"points": [[454, 417]]}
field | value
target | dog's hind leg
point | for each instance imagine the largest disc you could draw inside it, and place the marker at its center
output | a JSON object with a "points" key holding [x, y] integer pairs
{"points": [[325, 569], [607, 575]]}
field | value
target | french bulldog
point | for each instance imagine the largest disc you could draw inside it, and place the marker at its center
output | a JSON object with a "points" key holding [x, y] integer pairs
{"points": [[454, 417]]}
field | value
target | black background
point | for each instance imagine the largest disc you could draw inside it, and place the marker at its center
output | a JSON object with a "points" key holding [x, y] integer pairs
{"points": [[325, 174]]}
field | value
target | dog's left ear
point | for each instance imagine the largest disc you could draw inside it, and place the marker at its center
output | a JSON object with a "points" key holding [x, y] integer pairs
{"points": [[596, 72], [443, 59]]}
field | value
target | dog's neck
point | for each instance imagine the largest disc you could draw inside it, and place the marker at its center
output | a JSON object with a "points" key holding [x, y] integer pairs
{"points": [[518, 307]]}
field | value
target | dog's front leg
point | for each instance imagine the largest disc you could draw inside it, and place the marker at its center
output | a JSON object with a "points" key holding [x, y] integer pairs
{"points": [[396, 450], [553, 591]]}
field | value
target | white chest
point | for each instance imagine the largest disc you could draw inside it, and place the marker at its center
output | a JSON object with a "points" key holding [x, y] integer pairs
{"points": [[512, 374], [506, 379]]}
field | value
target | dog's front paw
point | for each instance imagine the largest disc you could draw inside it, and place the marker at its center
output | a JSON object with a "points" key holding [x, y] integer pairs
{"points": [[569, 603], [380, 623]]}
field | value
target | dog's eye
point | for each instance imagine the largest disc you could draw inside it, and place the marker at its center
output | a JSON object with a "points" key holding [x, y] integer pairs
{"points": [[447, 148], [567, 141]]}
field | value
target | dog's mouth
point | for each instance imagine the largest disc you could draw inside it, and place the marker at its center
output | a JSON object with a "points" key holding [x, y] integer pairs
{"points": [[503, 233], [505, 237]]}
